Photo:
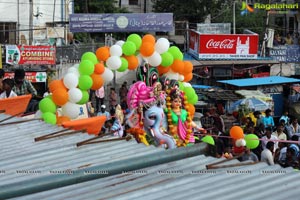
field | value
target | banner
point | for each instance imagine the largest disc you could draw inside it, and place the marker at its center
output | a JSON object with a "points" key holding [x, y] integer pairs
{"points": [[121, 22], [224, 46], [34, 77], [23, 55]]}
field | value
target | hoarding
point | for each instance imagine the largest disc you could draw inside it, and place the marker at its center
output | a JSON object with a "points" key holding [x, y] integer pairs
{"points": [[23, 55], [121, 22], [34, 77], [223, 46]]}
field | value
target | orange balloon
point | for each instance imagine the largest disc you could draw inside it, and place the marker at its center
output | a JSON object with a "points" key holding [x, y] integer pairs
{"points": [[60, 96], [236, 132], [162, 70], [133, 62], [147, 49], [191, 109], [188, 77], [55, 84], [148, 38], [99, 68], [62, 119], [188, 67], [102, 53], [177, 66], [98, 81]]}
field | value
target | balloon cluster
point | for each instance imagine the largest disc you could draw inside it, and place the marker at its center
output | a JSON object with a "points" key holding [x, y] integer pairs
{"points": [[72, 90], [251, 141], [97, 68]]}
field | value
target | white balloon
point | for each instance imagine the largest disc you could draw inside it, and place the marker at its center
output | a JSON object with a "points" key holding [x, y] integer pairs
{"points": [[186, 84], [38, 114], [115, 50], [172, 75], [240, 142], [76, 65], [181, 77], [70, 80], [120, 43], [74, 70], [162, 45], [114, 62], [71, 110], [154, 60], [75, 95], [107, 75]]}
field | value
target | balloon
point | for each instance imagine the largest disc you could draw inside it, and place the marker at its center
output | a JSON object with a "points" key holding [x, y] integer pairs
{"points": [[56, 84], [155, 59], [147, 49], [47, 105], [189, 92], [148, 38], [98, 81], [85, 82], [60, 96], [49, 118], [181, 86], [140, 59], [175, 51], [177, 66], [193, 100], [102, 53], [136, 39], [252, 141], [89, 56], [162, 45], [128, 48], [74, 70], [188, 77], [166, 59], [208, 139], [114, 62], [188, 67], [75, 95], [120, 43], [240, 143], [124, 65], [70, 110], [85, 97], [115, 50], [133, 62], [236, 132], [181, 77], [86, 67], [191, 109], [62, 119], [171, 75], [99, 68], [162, 70], [70, 80], [107, 75]]}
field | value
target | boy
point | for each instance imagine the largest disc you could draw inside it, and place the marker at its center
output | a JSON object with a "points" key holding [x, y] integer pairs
{"points": [[8, 84]]}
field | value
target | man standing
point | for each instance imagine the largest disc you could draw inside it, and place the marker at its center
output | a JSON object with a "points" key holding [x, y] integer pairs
{"points": [[267, 154], [99, 94]]}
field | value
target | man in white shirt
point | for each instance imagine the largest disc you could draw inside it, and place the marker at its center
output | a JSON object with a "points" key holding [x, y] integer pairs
{"points": [[267, 154], [268, 136]]}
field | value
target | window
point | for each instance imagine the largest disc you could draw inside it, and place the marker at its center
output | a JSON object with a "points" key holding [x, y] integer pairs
{"points": [[133, 2], [7, 33]]}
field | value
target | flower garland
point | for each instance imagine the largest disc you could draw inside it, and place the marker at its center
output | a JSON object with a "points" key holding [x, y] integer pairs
{"points": [[172, 128]]}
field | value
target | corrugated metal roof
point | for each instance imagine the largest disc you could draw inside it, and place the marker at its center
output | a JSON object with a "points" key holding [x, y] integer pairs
{"points": [[271, 80], [148, 172], [187, 179]]}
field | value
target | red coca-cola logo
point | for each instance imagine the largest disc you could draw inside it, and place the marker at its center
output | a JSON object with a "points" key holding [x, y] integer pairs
{"points": [[223, 44]]}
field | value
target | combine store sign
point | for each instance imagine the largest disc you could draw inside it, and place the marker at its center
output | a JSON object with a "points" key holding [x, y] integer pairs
{"points": [[23, 55], [223, 46]]}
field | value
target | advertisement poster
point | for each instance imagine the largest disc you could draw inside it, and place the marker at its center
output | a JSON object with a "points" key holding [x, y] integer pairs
{"points": [[23, 55]]}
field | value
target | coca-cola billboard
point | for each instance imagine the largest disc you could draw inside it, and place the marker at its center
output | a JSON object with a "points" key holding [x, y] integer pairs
{"points": [[224, 46]]}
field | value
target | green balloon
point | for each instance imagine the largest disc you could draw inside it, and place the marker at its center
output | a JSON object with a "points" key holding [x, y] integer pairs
{"points": [[86, 67], [89, 56], [47, 105], [136, 39], [49, 118], [252, 141], [124, 65], [193, 100], [85, 82], [166, 59], [85, 97], [189, 92], [175, 51], [128, 48], [181, 86], [208, 139]]}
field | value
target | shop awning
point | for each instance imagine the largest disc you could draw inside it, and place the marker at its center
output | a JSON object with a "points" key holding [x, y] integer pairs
{"points": [[271, 80]]}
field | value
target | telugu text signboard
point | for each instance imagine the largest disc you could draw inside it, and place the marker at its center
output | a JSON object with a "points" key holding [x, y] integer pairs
{"points": [[121, 22], [22, 55], [34, 77], [224, 46]]}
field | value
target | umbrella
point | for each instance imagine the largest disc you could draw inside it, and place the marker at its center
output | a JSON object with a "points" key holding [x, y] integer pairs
{"points": [[252, 103]]}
